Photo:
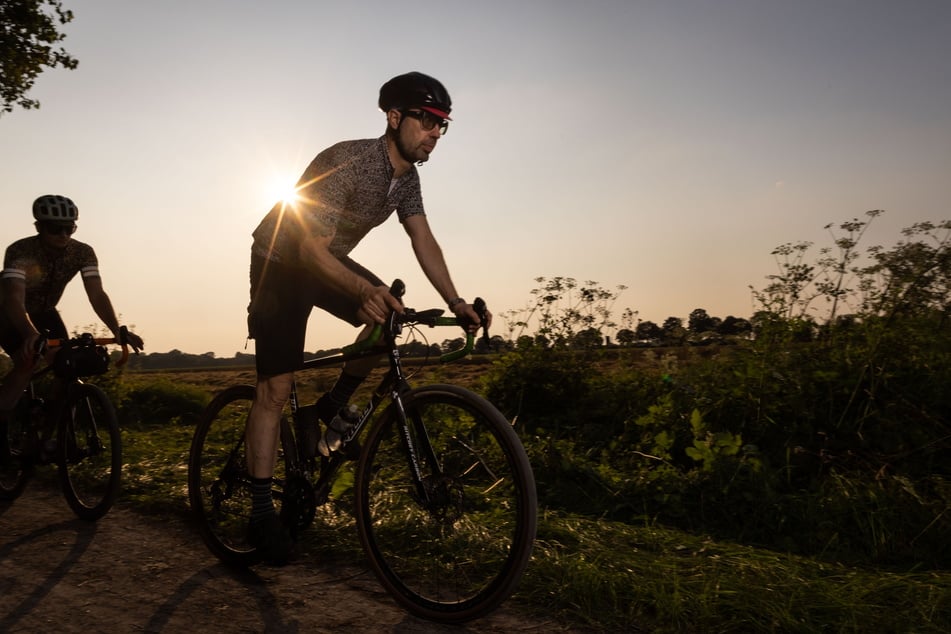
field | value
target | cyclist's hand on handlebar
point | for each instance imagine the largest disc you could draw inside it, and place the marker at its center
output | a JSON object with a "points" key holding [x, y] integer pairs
{"points": [[466, 314], [133, 340], [376, 304]]}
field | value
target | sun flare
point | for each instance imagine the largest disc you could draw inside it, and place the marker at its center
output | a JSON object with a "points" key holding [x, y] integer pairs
{"points": [[282, 190]]}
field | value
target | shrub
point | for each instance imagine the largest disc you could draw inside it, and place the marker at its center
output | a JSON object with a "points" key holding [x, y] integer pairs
{"points": [[819, 436], [161, 402]]}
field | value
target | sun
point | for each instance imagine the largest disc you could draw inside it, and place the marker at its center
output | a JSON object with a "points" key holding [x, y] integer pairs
{"points": [[282, 189]]}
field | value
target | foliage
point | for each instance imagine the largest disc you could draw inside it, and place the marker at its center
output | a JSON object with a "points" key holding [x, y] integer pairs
{"points": [[565, 313], [828, 433], [161, 403], [28, 34]]}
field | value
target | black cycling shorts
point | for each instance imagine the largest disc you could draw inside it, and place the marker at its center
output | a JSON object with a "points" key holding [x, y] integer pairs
{"points": [[49, 323], [282, 298]]}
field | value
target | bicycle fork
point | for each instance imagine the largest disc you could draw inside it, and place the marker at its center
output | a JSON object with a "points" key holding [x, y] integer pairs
{"points": [[419, 450]]}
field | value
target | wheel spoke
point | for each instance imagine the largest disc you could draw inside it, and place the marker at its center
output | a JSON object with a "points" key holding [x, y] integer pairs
{"points": [[90, 452], [460, 552]]}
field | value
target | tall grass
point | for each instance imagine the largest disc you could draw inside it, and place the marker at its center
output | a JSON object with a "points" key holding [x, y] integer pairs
{"points": [[617, 577]]}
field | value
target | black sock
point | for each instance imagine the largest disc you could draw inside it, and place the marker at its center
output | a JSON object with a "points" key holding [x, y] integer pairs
{"points": [[261, 501]]}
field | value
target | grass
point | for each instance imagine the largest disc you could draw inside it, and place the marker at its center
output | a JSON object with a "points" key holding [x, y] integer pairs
{"points": [[617, 577], [601, 575]]}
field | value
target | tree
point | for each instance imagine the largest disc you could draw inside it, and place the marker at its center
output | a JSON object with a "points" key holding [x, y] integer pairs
{"points": [[28, 33], [648, 331], [674, 331], [735, 326], [588, 338], [451, 345], [525, 342], [626, 336], [699, 321]]}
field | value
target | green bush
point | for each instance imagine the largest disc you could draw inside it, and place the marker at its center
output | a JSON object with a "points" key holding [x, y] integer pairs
{"points": [[160, 402], [824, 438]]}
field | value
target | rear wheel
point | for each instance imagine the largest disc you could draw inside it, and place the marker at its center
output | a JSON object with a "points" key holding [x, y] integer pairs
{"points": [[90, 451], [219, 486], [456, 548]]}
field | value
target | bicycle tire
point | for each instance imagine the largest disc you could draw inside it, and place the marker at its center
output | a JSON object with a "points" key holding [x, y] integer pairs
{"points": [[219, 487], [15, 466], [462, 557], [90, 451]]}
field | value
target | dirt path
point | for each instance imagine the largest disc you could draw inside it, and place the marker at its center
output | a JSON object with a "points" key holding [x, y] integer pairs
{"points": [[128, 573]]}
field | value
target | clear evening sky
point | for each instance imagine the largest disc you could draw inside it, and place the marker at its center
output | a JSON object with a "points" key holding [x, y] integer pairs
{"points": [[664, 145]]}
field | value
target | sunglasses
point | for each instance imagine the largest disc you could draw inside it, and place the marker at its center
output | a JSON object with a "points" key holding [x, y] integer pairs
{"points": [[59, 229], [427, 120]]}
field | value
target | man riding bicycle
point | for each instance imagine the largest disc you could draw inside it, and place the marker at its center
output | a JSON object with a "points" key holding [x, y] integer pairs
{"points": [[35, 273], [299, 259]]}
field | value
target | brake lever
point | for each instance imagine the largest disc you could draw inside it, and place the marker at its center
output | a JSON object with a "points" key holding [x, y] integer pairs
{"points": [[482, 310]]}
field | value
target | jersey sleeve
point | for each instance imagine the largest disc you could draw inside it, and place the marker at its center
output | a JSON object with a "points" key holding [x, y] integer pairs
{"points": [[411, 199], [88, 262], [14, 262]]}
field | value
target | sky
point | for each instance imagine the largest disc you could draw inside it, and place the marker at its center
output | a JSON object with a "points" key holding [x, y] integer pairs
{"points": [[667, 146]]}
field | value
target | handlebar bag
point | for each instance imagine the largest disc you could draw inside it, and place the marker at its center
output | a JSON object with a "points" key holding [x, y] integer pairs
{"points": [[78, 359]]}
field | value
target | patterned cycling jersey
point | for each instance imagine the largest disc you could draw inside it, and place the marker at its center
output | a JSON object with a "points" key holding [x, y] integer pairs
{"points": [[46, 272], [348, 187]]}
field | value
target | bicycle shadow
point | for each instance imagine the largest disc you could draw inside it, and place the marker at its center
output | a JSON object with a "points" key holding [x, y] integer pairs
{"points": [[275, 615], [72, 560], [85, 532], [256, 586]]}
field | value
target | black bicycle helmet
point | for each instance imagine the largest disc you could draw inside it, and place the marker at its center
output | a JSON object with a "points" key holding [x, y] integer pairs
{"points": [[415, 90], [55, 209]]}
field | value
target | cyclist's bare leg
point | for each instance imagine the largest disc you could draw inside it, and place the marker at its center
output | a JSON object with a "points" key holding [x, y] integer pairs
{"points": [[263, 428], [262, 436]]}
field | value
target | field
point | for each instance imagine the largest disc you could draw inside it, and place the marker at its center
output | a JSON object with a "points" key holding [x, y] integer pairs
{"points": [[612, 575], [313, 382]]}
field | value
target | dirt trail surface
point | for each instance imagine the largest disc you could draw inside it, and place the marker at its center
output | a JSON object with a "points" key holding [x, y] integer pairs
{"points": [[131, 573]]}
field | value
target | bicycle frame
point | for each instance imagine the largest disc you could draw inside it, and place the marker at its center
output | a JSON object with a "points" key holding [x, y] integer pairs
{"points": [[44, 346], [392, 386]]}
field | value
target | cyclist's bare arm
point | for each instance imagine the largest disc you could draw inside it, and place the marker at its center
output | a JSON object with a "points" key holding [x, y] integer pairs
{"points": [[100, 302], [431, 259]]}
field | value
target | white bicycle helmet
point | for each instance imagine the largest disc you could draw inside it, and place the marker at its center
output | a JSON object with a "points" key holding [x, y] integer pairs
{"points": [[55, 209]]}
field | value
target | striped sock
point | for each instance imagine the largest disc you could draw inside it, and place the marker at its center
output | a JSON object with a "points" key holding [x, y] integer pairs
{"points": [[261, 501]]}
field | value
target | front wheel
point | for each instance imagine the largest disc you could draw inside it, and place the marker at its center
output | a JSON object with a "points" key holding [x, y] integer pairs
{"points": [[454, 546], [16, 464], [90, 451]]}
